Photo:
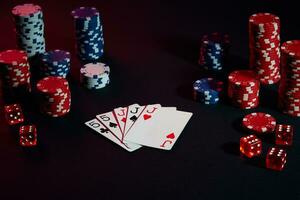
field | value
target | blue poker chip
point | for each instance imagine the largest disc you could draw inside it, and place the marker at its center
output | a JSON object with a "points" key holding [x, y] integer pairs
{"points": [[55, 63], [213, 51], [207, 90]]}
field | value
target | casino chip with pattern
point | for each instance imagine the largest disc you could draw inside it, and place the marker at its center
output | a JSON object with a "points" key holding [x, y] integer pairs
{"points": [[259, 122], [213, 51], [264, 46], [54, 96], [243, 89], [94, 75], [55, 63], [15, 69], [89, 33], [29, 27], [289, 88], [207, 90]]}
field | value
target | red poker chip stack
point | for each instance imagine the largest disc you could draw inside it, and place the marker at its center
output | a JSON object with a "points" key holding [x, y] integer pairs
{"points": [[289, 88], [15, 69], [55, 96], [243, 89], [264, 47]]}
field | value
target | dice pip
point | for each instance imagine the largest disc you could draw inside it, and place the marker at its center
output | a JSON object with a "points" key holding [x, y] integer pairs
{"points": [[250, 146], [28, 136], [276, 158], [13, 114], [284, 134]]}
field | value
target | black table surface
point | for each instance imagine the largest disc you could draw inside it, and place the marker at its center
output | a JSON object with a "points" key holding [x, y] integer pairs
{"points": [[152, 48]]}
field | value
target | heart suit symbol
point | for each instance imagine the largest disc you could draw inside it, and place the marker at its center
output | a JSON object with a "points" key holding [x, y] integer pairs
{"points": [[171, 136], [146, 116]]}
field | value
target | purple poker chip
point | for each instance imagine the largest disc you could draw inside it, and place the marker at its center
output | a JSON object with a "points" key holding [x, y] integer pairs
{"points": [[84, 12], [56, 56]]}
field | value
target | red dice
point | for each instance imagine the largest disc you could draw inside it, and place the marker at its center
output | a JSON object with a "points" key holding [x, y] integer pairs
{"points": [[276, 158], [284, 134], [28, 136], [13, 114], [250, 146]]}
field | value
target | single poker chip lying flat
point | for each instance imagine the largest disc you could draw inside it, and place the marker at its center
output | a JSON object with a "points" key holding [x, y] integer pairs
{"points": [[259, 122]]}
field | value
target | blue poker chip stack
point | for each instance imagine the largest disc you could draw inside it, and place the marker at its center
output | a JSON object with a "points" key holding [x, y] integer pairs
{"points": [[207, 90], [29, 28], [89, 34], [55, 63], [213, 51]]}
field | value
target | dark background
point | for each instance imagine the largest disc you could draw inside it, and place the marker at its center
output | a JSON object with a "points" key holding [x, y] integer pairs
{"points": [[152, 48]]}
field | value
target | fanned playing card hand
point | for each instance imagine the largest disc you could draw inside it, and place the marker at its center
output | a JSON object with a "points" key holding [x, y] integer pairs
{"points": [[133, 126]]}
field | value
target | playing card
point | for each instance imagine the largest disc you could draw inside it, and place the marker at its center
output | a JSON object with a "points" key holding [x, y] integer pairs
{"points": [[100, 128], [121, 115], [162, 131], [109, 121], [133, 113], [145, 117]]}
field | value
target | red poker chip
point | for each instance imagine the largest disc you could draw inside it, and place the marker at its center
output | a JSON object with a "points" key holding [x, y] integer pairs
{"points": [[243, 77], [13, 57], [259, 122], [245, 97], [243, 89], [263, 19], [55, 95], [276, 79], [270, 52], [267, 56], [52, 84], [291, 48]]}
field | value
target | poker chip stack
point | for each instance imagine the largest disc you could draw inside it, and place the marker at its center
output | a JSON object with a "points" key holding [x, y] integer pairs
{"points": [[15, 69], [55, 63], [89, 33], [264, 46], [213, 51], [94, 75], [207, 90], [29, 28], [243, 89], [289, 88], [54, 96]]}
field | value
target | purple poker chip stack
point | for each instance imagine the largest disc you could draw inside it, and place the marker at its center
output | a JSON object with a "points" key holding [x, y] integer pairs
{"points": [[55, 63], [89, 33]]}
